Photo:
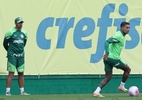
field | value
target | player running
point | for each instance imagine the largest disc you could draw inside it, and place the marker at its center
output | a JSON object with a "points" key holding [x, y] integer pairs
{"points": [[113, 47]]}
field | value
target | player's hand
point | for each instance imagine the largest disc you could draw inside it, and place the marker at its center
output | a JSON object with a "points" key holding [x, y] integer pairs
{"points": [[105, 56]]}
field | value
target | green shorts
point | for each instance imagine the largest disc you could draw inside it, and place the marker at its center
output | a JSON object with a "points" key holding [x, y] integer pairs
{"points": [[15, 63], [110, 63]]}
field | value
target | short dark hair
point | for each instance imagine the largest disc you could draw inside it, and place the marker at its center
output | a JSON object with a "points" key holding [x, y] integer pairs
{"points": [[124, 23]]}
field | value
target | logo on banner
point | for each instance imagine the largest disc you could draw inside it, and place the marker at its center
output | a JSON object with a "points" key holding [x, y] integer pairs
{"points": [[64, 24]]}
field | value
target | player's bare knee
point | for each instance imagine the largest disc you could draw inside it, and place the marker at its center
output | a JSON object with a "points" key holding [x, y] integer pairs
{"points": [[129, 69], [20, 74]]}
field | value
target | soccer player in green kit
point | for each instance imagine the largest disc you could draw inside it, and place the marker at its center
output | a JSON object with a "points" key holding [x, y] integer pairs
{"points": [[14, 43], [113, 47]]}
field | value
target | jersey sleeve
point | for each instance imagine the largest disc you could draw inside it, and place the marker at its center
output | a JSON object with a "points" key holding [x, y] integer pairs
{"points": [[25, 33], [108, 41], [8, 34], [116, 36]]}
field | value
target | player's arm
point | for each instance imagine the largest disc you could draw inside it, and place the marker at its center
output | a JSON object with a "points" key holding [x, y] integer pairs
{"points": [[25, 42], [5, 43], [109, 41], [25, 39], [6, 40]]}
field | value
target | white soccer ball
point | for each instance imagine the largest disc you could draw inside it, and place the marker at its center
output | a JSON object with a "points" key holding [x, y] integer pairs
{"points": [[133, 91]]}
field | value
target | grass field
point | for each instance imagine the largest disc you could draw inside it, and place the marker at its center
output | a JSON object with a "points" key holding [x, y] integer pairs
{"points": [[120, 96]]}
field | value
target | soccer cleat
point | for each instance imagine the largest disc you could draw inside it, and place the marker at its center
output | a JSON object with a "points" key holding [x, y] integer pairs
{"points": [[96, 94], [8, 94], [123, 89], [24, 93]]}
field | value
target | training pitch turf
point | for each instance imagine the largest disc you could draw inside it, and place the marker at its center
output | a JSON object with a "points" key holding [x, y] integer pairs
{"points": [[120, 96]]}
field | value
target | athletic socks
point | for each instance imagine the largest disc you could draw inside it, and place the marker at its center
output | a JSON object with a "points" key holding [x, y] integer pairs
{"points": [[122, 84], [98, 90], [22, 89], [7, 90]]}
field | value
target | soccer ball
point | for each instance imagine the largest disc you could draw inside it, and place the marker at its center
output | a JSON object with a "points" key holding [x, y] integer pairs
{"points": [[133, 91]]}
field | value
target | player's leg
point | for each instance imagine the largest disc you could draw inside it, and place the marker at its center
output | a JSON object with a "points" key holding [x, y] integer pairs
{"points": [[125, 76], [108, 76], [8, 83], [21, 80], [126, 70], [21, 83], [123, 66], [11, 68], [108, 72], [20, 70]]}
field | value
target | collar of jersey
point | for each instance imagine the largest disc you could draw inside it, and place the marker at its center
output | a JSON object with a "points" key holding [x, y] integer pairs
{"points": [[122, 33]]}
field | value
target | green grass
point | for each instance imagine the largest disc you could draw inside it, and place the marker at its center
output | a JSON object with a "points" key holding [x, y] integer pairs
{"points": [[120, 96]]}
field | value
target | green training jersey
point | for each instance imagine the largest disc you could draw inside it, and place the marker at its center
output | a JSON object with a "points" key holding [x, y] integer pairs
{"points": [[116, 46], [14, 42]]}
